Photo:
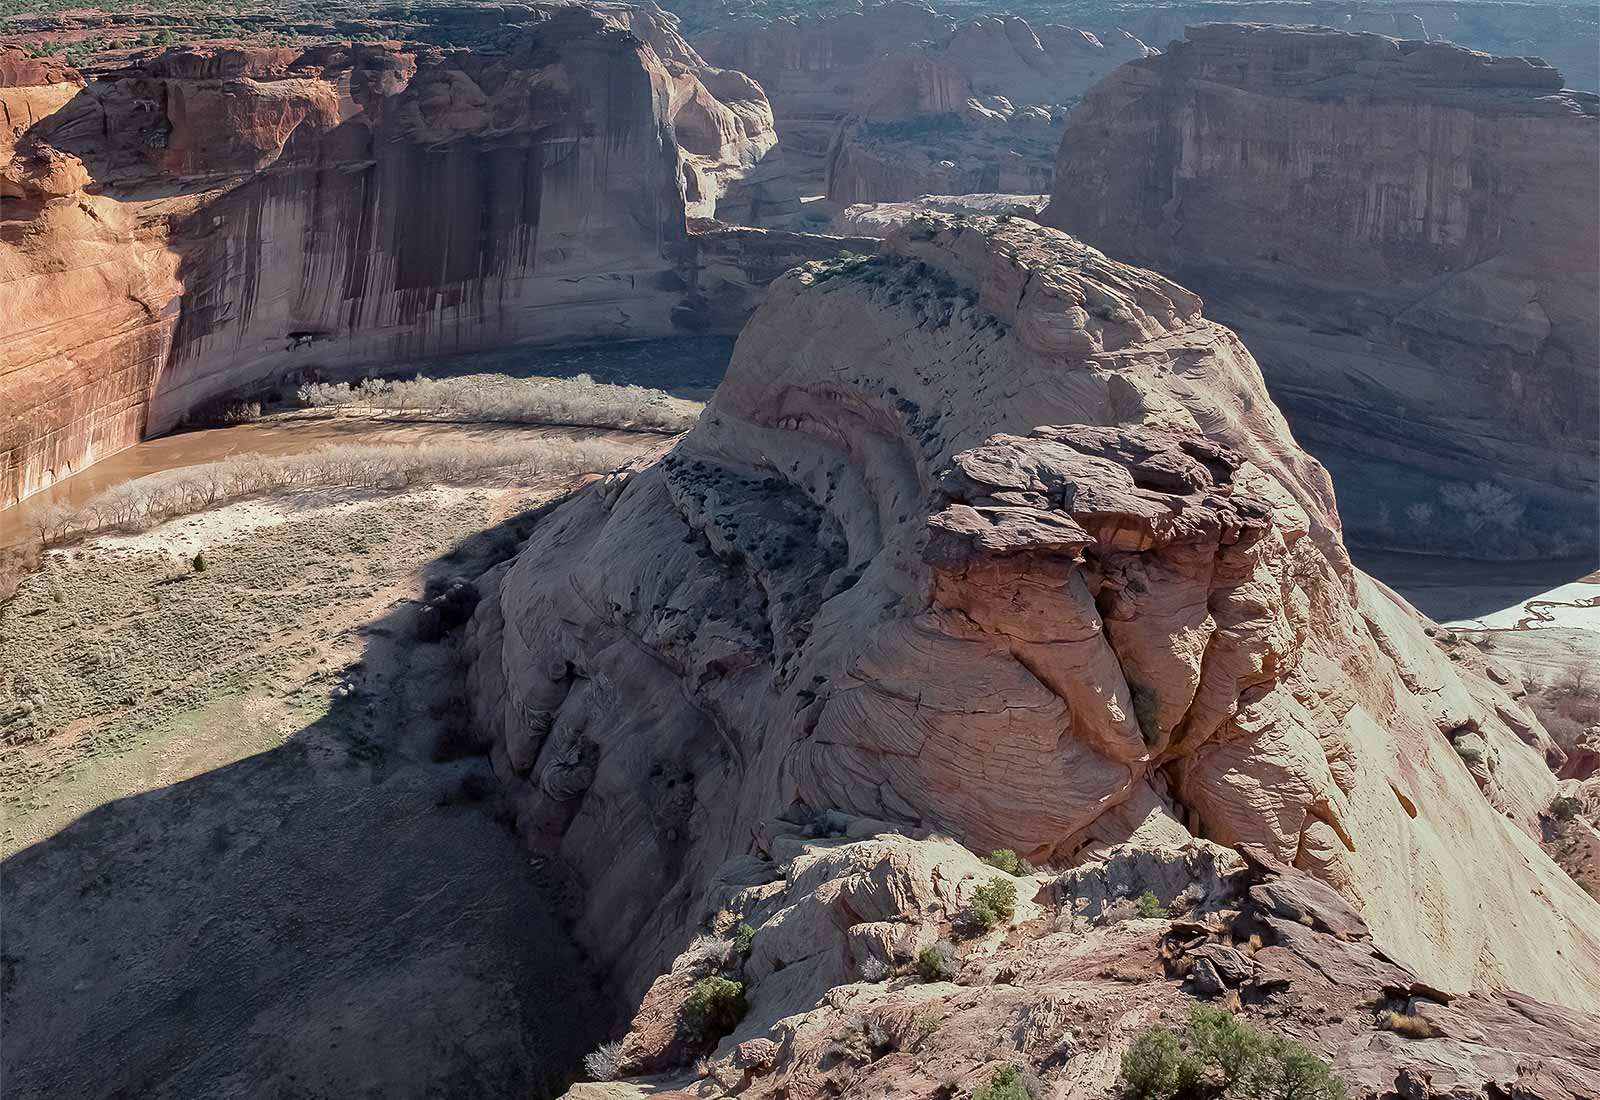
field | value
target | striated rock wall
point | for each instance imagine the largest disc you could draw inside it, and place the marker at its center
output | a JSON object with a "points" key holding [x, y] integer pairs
{"points": [[992, 536], [1405, 234], [201, 221], [902, 61]]}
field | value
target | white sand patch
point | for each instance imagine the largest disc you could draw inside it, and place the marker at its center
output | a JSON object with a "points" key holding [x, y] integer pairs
{"points": [[1575, 605], [186, 536]]}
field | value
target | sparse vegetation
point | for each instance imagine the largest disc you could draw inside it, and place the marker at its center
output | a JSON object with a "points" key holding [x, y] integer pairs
{"points": [[1150, 906], [936, 962], [1407, 1024], [1009, 1083], [1568, 705], [579, 401], [1009, 862], [148, 501], [198, 564], [1219, 1055], [604, 1063], [714, 1007], [1564, 808], [993, 904], [873, 969], [743, 939]]}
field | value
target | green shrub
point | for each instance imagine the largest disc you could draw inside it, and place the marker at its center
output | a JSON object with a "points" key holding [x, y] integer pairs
{"points": [[1565, 808], [1008, 861], [993, 904], [1220, 1055], [743, 937], [714, 1007], [199, 563], [1150, 906], [1008, 1083], [1153, 1067], [934, 963]]}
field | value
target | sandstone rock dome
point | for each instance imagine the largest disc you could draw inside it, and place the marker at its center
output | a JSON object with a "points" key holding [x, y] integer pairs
{"points": [[991, 536]]}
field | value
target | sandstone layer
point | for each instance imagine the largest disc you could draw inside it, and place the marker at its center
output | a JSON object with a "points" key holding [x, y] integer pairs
{"points": [[1406, 236], [1066, 985], [993, 537], [895, 62], [186, 222]]}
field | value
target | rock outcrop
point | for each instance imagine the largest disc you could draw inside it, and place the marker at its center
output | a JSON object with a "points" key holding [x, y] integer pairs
{"points": [[1405, 234], [991, 536], [191, 222], [1065, 985], [965, 88]]}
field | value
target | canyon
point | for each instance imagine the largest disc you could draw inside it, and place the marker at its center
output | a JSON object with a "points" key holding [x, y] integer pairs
{"points": [[968, 686], [897, 101], [1435, 321], [188, 224]]}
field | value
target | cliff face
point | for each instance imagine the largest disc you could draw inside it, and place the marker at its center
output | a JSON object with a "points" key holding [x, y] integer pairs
{"points": [[199, 221], [901, 61], [992, 536], [1405, 234]]}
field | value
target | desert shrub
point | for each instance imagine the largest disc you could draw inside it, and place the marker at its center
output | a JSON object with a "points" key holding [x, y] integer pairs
{"points": [[714, 1007], [1482, 505], [993, 904], [1220, 1055], [1153, 1067], [1150, 906], [936, 962], [717, 950], [579, 400], [743, 939], [1008, 1083], [1404, 1023], [1565, 808], [224, 413], [1008, 861], [873, 969], [604, 1063], [199, 562]]}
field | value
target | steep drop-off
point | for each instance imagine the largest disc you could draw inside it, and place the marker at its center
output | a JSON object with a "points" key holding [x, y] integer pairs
{"points": [[198, 221], [993, 536], [1406, 236]]}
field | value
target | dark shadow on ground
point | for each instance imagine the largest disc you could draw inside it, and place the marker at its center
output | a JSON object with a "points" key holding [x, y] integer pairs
{"points": [[340, 916], [1448, 589]]}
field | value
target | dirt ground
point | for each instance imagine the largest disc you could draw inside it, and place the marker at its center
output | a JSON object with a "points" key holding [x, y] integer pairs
{"points": [[232, 864]]}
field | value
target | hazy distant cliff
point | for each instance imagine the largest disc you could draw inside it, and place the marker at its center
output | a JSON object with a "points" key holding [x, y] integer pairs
{"points": [[1405, 234]]}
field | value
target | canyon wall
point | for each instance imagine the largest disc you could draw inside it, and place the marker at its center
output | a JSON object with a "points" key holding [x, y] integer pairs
{"points": [[992, 537], [1406, 236], [903, 63], [194, 222]]}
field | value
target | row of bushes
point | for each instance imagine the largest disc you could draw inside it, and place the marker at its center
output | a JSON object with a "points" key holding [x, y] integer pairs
{"points": [[143, 503], [579, 400]]}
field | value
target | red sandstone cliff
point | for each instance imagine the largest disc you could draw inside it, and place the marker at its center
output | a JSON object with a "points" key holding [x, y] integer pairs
{"points": [[1405, 234], [197, 221]]}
